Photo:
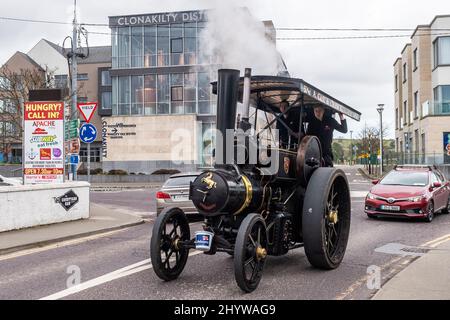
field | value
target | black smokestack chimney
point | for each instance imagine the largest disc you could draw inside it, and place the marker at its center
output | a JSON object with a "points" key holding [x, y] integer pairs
{"points": [[227, 97]]}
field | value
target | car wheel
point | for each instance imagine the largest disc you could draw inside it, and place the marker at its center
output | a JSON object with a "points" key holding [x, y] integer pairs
{"points": [[430, 212], [446, 210]]}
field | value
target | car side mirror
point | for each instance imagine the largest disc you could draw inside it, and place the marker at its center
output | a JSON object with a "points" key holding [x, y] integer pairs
{"points": [[375, 181], [437, 184]]}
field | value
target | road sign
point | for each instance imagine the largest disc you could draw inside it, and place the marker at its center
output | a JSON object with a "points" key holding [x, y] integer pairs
{"points": [[74, 159], [87, 109], [71, 129], [88, 133]]}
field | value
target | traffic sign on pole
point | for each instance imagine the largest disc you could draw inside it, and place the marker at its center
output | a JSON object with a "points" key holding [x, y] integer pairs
{"points": [[88, 133], [87, 110]]}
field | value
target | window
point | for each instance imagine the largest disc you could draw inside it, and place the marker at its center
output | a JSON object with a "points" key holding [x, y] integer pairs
{"points": [[190, 41], [124, 96], [61, 81], [423, 144], [396, 83], [137, 47], [416, 104], [176, 93], [82, 77], [95, 153], [441, 51], [396, 118], [416, 140], [405, 73], [163, 94], [137, 95], [115, 97], [5, 84], [106, 78], [149, 94], [163, 45], [405, 112], [190, 92], [123, 49], [204, 95], [106, 100], [415, 59], [176, 44], [150, 46], [442, 99]]}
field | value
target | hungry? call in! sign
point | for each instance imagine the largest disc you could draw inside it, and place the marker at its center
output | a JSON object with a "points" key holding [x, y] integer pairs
{"points": [[44, 111], [43, 142]]}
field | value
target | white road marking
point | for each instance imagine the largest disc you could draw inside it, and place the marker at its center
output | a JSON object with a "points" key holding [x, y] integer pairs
{"points": [[358, 194], [120, 273]]}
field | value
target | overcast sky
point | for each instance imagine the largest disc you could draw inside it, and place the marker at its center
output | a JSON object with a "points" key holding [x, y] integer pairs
{"points": [[357, 72]]}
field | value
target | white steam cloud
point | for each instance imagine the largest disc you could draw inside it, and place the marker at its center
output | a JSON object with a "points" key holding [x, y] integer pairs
{"points": [[234, 39]]}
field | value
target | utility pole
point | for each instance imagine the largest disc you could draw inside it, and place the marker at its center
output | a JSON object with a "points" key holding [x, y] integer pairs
{"points": [[74, 66], [380, 111]]}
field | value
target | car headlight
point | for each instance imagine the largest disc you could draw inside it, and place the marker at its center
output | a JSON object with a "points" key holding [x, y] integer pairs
{"points": [[371, 196], [416, 199]]}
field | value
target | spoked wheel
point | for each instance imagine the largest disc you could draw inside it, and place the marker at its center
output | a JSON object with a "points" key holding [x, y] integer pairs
{"points": [[326, 218], [250, 252], [430, 212], [167, 255]]}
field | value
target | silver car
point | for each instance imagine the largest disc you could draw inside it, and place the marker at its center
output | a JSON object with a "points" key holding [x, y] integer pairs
{"points": [[175, 193]]}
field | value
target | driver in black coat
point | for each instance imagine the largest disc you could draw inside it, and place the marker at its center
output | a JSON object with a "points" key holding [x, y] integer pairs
{"points": [[322, 125]]}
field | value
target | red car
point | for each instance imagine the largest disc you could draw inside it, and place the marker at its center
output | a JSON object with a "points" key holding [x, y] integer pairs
{"points": [[409, 191]]}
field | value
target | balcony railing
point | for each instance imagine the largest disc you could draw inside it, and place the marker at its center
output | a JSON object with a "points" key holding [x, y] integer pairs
{"points": [[436, 109]]}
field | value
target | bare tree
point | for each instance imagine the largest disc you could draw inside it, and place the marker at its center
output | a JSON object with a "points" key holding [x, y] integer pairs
{"points": [[14, 88]]}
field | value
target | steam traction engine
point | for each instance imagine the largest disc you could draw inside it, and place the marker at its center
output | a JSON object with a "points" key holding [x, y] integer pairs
{"points": [[254, 208]]}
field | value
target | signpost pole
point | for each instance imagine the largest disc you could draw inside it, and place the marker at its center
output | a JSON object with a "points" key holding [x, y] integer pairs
{"points": [[89, 162]]}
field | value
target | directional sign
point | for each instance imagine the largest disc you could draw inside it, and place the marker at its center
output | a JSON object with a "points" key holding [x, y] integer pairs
{"points": [[71, 129], [88, 133], [87, 110]]}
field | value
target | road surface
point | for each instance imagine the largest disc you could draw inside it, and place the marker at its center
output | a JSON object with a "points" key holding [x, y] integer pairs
{"points": [[117, 266]]}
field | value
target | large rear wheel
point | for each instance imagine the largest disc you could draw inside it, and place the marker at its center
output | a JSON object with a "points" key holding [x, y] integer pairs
{"points": [[167, 255], [250, 252], [326, 218]]}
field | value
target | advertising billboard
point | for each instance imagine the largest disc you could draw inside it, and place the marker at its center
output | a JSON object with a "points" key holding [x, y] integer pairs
{"points": [[43, 142]]}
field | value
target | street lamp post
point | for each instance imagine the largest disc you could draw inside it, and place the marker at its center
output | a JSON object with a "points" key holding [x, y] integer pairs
{"points": [[380, 111]]}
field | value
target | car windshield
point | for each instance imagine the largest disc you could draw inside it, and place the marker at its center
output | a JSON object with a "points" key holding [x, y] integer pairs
{"points": [[406, 178], [179, 181]]}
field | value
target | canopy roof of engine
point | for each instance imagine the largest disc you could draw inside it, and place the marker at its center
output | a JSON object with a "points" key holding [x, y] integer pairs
{"points": [[273, 90]]}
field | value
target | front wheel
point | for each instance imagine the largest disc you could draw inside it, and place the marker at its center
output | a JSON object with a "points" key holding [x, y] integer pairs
{"points": [[326, 218], [168, 257], [430, 212], [250, 252]]}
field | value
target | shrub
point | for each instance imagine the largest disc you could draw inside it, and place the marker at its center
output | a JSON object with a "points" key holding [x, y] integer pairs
{"points": [[166, 171], [117, 172]]}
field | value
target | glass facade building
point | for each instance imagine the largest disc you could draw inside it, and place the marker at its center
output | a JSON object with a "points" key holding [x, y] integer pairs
{"points": [[166, 70]]}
